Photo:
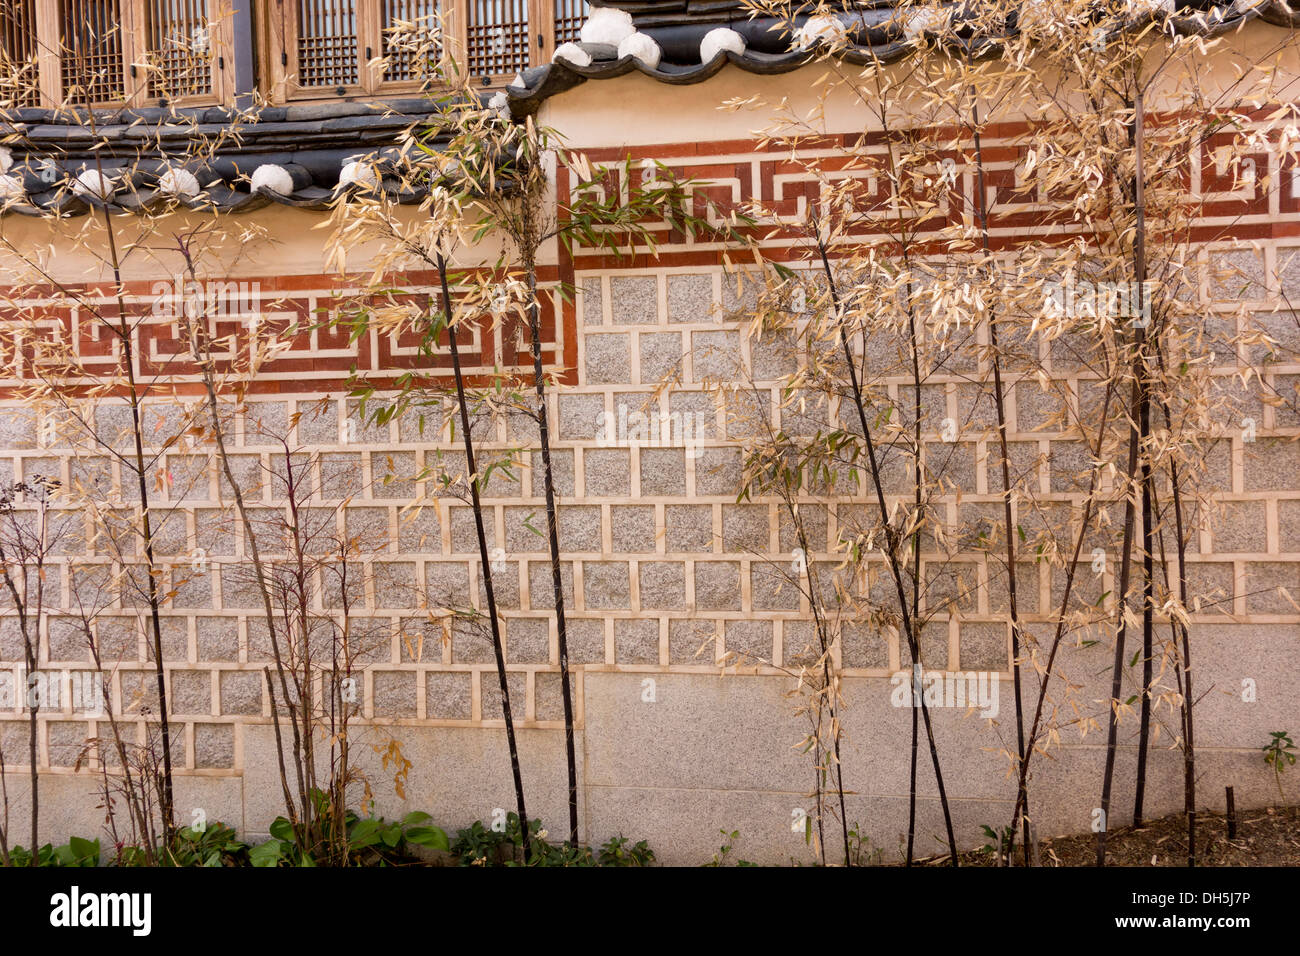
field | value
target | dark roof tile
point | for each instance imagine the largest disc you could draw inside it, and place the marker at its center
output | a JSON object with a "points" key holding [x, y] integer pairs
{"points": [[874, 35]]}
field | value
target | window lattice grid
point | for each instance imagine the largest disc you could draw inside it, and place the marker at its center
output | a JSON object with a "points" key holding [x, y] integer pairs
{"points": [[90, 33], [19, 74], [410, 56], [497, 36], [180, 48], [569, 18], [327, 43]]}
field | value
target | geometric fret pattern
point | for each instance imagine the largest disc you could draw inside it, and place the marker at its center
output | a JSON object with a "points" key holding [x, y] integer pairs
{"points": [[282, 306]]}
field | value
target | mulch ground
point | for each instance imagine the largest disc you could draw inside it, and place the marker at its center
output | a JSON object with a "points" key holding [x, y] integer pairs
{"points": [[1269, 837]]}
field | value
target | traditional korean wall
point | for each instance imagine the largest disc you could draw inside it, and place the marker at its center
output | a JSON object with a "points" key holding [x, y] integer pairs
{"points": [[665, 574]]}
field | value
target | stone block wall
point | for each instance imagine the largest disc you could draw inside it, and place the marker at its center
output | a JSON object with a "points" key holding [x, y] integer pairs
{"points": [[666, 575]]}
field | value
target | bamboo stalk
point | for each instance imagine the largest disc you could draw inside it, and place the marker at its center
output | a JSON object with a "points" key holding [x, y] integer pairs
{"points": [[200, 349], [891, 549], [1139, 413], [552, 535], [999, 401], [126, 339], [493, 620], [1185, 664]]}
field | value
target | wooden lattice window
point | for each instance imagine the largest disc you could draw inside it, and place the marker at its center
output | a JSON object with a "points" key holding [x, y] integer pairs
{"points": [[328, 48], [92, 51], [180, 41], [134, 52], [19, 63], [404, 53], [325, 47], [569, 18], [497, 37]]}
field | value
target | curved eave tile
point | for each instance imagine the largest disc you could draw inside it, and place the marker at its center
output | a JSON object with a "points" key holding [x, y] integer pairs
{"points": [[23, 209], [313, 142], [560, 76], [1280, 13], [216, 199], [310, 197]]}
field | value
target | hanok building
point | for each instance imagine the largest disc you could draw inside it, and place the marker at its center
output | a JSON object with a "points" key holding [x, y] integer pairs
{"points": [[683, 628]]}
